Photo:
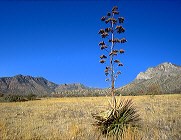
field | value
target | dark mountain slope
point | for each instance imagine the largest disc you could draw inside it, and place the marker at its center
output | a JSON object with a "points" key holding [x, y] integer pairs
{"points": [[24, 85]]}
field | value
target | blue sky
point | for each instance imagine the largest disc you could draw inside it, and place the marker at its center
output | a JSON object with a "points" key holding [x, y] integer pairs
{"points": [[58, 40]]}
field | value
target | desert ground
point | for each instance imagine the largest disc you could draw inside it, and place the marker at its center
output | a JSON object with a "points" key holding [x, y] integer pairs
{"points": [[71, 118]]}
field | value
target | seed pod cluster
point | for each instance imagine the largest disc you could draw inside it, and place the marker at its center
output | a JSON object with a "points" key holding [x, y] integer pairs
{"points": [[114, 22]]}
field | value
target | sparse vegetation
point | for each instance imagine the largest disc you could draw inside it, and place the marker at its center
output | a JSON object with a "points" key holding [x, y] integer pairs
{"points": [[71, 119], [31, 96], [17, 98], [1, 94], [13, 98], [81, 93]]}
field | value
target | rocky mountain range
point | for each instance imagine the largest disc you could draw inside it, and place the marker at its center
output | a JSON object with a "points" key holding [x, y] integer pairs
{"points": [[24, 85], [162, 79]]}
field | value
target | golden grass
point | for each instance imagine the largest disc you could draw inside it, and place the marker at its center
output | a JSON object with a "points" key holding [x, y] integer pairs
{"points": [[70, 118]]}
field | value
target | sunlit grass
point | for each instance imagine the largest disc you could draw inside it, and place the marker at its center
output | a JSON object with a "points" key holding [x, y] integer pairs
{"points": [[70, 118]]}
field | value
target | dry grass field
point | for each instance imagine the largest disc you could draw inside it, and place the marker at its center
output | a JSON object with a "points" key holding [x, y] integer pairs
{"points": [[70, 118]]}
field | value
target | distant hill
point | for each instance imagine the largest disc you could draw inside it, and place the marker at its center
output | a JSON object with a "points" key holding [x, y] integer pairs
{"points": [[75, 86], [24, 85], [162, 79], [77, 90]]}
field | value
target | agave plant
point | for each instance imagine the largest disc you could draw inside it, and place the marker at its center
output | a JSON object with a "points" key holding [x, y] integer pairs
{"points": [[120, 114], [116, 119]]}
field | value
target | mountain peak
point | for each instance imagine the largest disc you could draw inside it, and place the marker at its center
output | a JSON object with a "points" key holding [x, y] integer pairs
{"points": [[164, 78], [165, 68], [169, 65], [19, 75], [166, 63]]}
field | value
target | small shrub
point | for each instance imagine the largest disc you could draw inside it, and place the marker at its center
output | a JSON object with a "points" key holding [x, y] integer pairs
{"points": [[117, 93], [1, 94], [14, 98], [31, 96]]}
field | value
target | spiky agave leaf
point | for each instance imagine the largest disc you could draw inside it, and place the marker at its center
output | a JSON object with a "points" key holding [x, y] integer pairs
{"points": [[117, 118]]}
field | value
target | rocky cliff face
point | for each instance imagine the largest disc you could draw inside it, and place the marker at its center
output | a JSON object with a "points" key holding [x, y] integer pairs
{"points": [[20, 84], [165, 69], [164, 78]]}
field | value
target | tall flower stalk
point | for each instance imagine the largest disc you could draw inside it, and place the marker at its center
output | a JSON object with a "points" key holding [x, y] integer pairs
{"points": [[121, 114], [109, 34]]}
